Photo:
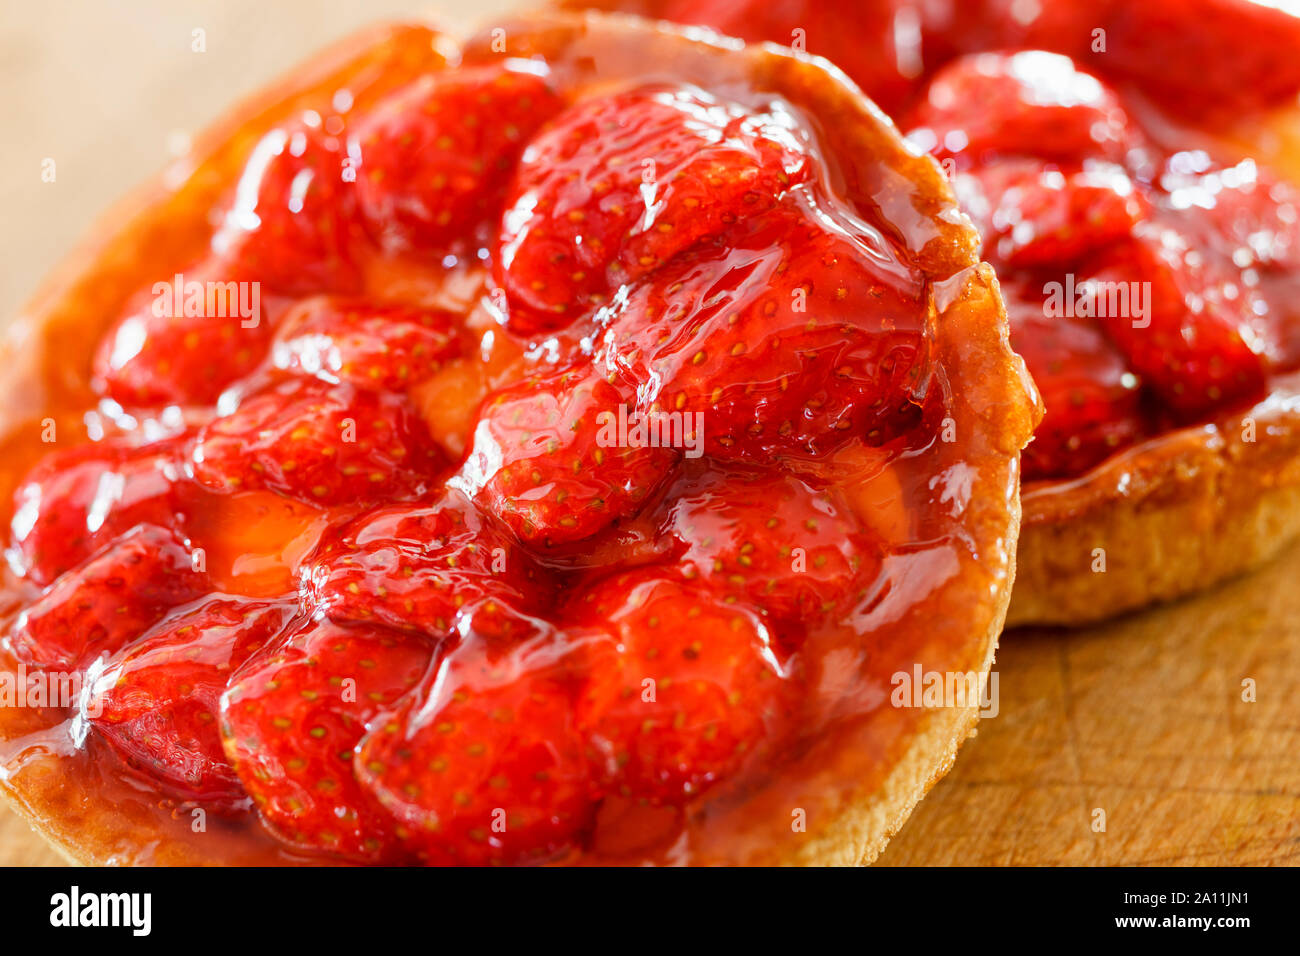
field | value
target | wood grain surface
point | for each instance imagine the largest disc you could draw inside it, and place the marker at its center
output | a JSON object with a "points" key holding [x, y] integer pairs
{"points": [[1141, 723]]}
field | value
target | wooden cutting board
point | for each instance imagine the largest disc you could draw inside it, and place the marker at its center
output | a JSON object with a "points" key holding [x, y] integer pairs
{"points": [[1142, 720]]}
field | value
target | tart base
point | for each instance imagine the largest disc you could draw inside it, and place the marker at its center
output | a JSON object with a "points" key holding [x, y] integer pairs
{"points": [[1163, 519]]}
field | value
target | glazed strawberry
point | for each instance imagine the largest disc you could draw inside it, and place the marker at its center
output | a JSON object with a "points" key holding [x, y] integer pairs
{"points": [[1242, 212], [320, 443], [78, 499], [547, 459], [385, 347], [108, 601], [1192, 347], [682, 684], [291, 720], [436, 155], [774, 543], [794, 339], [621, 183], [1032, 217], [484, 765], [418, 567], [184, 343], [1241, 220], [1091, 395], [156, 702], [882, 44], [291, 224], [1223, 57], [1029, 104]]}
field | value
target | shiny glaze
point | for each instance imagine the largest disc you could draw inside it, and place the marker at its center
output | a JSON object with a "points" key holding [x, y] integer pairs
{"points": [[1194, 101], [939, 515]]}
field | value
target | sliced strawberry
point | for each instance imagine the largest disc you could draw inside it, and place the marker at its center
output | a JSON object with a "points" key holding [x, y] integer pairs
{"points": [[291, 720], [1027, 104], [882, 44], [386, 347], [1241, 212], [156, 702], [321, 443], [770, 539], [682, 684], [1091, 395], [793, 340], [108, 601], [418, 567], [621, 183], [78, 499], [436, 155], [291, 224], [547, 460], [1241, 220], [484, 765], [1031, 217], [1193, 347], [183, 344], [1199, 57]]}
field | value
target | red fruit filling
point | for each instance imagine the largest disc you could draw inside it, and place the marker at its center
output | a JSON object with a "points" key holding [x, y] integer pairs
{"points": [[331, 444], [585, 217], [105, 603], [486, 763], [1163, 267], [1193, 57], [574, 428], [1153, 285]]}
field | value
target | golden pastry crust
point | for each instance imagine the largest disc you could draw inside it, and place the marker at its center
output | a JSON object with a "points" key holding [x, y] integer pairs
{"points": [[89, 824], [1163, 519], [868, 818]]}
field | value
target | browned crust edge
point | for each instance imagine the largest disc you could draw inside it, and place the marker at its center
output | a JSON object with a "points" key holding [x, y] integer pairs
{"points": [[1169, 517]]}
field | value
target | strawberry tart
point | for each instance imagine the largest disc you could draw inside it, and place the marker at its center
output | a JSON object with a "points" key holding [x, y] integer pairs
{"points": [[1131, 169], [556, 448]]}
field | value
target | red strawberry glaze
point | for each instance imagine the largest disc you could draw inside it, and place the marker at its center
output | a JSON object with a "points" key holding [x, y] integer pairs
{"points": [[420, 594], [1096, 142]]}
